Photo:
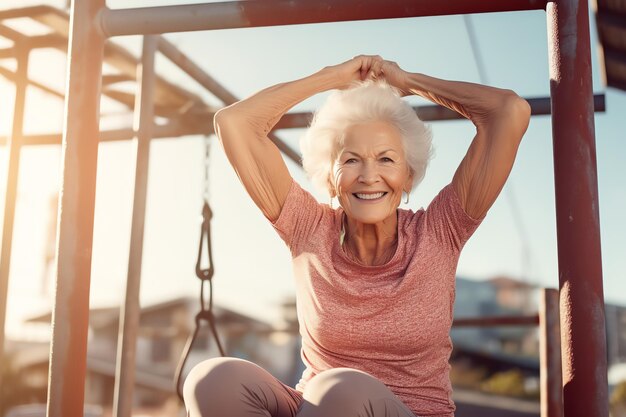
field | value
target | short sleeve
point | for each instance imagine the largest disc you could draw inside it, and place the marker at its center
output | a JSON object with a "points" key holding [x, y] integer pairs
{"points": [[300, 217], [446, 219]]}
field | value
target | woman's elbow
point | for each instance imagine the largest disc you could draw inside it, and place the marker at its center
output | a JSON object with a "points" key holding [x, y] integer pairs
{"points": [[518, 111], [235, 122], [522, 108], [221, 118], [224, 120]]}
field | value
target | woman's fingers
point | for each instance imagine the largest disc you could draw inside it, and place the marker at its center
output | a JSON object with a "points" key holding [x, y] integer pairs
{"points": [[367, 67], [390, 68], [374, 71], [374, 67], [395, 76], [349, 71]]}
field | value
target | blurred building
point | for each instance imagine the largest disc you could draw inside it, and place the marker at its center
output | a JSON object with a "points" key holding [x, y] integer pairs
{"points": [[615, 333], [503, 296], [164, 329], [500, 296]]}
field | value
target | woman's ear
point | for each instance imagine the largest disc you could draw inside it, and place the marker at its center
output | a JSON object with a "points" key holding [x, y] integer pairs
{"points": [[332, 192], [408, 185], [331, 188]]}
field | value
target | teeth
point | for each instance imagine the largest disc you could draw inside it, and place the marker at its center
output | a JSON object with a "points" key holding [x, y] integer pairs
{"points": [[369, 196]]}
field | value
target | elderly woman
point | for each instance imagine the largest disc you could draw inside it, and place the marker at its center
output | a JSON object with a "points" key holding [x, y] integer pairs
{"points": [[374, 283]]}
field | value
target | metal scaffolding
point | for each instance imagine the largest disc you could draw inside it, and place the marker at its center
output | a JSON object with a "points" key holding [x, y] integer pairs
{"points": [[85, 38]]}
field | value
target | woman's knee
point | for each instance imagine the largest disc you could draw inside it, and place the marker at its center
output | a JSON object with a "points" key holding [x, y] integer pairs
{"points": [[216, 375], [350, 392], [232, 387], [345, 383]]}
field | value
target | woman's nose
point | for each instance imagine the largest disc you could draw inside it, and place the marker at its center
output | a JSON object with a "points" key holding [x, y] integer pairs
{"points": [[369, 174]]}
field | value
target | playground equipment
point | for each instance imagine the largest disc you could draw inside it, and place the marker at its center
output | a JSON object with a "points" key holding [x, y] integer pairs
{"points": [[92, 23]]}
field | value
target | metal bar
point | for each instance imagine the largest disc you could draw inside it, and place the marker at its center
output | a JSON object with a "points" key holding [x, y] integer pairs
{"points": [[299, 120], [52, 40], [542, 105], [115, 78], [612, 18], [192, 69], [10, 75], [619, 84], [10, 52], [615, 55], [583, 335], [201, 77], [539, 106], [171, 130], [434, 112], [550, 354], [68, 350], [25, 12], [11, 34], [240, 14], [497, 321], [13, 168], [129, 316]]}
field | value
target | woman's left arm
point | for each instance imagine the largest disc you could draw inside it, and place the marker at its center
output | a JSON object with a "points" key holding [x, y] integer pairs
{"points": [[501, 118]]}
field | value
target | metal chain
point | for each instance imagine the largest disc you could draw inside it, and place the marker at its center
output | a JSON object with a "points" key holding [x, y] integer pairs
{"points": [[204, 274], [206, 191]]}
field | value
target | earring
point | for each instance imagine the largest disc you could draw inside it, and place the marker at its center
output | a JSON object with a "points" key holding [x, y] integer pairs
{"points": [[407, 199]]}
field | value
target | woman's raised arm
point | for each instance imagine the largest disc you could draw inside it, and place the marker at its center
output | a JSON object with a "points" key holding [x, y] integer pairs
{"points": [[243, 128], [501, 118]]}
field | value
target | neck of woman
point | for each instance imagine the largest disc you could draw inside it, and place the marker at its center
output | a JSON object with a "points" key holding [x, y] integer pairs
{"points": [[370, 244]]}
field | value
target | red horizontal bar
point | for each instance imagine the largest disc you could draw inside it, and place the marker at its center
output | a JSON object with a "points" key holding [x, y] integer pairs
{"points": [[240, 14], [497, 321]]}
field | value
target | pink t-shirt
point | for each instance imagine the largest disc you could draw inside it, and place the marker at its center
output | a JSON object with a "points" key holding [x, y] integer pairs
{"points": [[391, 321]]}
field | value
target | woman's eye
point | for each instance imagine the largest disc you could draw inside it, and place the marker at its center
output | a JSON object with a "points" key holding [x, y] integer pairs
{"points": [[386, 159], [350, 161]]}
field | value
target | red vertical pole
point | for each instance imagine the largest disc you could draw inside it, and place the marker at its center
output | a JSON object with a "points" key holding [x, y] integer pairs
{"points": [[70, 321], [130, 313], [14, 146], [583, 337], [550, 354]]}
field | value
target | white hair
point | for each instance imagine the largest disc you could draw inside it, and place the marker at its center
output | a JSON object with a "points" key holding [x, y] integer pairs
{"points": [[365, 102]]}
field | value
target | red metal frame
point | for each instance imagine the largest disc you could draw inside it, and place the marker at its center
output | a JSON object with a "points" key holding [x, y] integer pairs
{"points": [[578, 231], [239, 14], [13, 168], [68, 351], [583, 338]]}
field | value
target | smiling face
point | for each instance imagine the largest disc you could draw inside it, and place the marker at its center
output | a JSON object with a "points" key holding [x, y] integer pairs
{"points": [[371, 172]]}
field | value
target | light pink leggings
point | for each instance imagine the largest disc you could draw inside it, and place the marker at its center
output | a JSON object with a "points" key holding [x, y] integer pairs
{"points": [[231, 387]]}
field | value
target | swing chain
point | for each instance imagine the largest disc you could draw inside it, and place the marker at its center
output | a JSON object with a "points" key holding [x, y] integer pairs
{"points": [[205, 275], [207, 160]]}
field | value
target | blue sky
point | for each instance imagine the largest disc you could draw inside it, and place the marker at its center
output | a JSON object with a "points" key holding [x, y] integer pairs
{"points": [[253, 271]]}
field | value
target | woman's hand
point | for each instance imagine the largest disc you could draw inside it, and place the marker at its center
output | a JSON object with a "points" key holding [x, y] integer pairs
{"points": [[369, 67], [359, 68], [395, 76]]}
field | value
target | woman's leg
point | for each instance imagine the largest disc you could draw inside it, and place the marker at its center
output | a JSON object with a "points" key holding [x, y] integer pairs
{"points": [[346, 392], [232, 387]]}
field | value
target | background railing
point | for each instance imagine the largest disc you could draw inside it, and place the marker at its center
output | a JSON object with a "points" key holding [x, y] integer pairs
{"points": [[549, 346]]}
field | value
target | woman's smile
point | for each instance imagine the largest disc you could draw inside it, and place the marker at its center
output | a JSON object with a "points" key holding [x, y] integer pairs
{"points": [[370, 197]]}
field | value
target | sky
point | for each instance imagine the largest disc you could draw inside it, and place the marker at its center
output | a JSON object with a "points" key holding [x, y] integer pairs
{"points": [[253, 269]]}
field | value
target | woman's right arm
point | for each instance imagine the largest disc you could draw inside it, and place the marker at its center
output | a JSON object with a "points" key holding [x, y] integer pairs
{"points": [[243, 128]]}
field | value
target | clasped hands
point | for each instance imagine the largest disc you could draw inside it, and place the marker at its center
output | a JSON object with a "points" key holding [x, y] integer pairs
{"points": [[370, 67]]}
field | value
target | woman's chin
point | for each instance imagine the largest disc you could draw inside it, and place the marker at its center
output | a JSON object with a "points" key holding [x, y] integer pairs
{"points": [[369, 216]]}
